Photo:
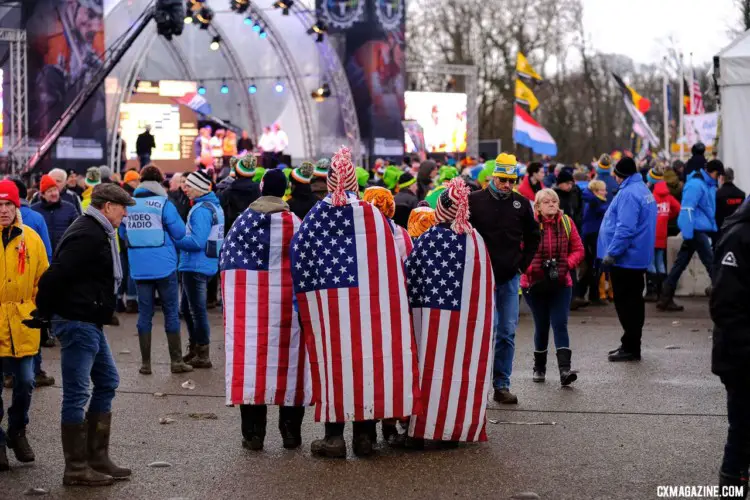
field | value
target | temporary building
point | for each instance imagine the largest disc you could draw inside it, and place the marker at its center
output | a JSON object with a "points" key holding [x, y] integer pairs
{"points": [[733, 77]]}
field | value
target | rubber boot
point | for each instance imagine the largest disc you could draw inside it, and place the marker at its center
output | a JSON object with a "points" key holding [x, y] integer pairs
{"points": [[660, 280], [201, 359], [4, 465], [144, 342], [651, 293], [540, 366], [362, 438], [567, 376], [666, 301], [290, 425], [100, 427], [736, 481], [177, 365], [332, 445], [75, 448], [16, 441], [253, 426], [189, 352]]}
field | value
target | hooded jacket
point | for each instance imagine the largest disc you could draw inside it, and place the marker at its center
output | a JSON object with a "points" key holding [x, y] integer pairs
{"points": [[237, 197], [528, 190], [628, 231], [302, 199], [594, 209], [728, 199], [35, 221], [192, 247], [698, 211], [58, 217], [728, 306], [571, 203], [667, 209], [555, 243], [405, 201]]}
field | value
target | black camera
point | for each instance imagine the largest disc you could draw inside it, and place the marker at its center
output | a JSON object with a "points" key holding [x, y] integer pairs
{"points": [[551, 270]]}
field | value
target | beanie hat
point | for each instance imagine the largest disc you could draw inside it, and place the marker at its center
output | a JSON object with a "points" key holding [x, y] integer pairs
{"points": [[362, 177], [420, 220], [46, 183], [105, 172], [391, 176], [9, 192], [655, 175], [273, 183], [506, 166], [245, 166], [341, 177], [715, 166], [23, 191], [489, 168], [453, 206], [93, 176], [626, 167], [322, 167], [131, 175], [199, 181], [259, 173], [406, 180], [616, 156], [447, 173], [604, 165], [303, 174], [382, 199], [564, 176]]}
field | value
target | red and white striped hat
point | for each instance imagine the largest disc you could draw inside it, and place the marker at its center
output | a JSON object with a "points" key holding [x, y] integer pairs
{"points": [[453, 206]]}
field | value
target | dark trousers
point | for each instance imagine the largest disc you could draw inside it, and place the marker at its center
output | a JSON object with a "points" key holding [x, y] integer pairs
{"points": [[212, 292], [363, 427], [254, 418], [628, 285], [737, 449], [700, 243], [590, 280]]}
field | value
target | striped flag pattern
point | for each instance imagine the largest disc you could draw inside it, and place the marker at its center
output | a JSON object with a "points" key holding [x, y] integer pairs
{"points": [[697, 108], [266, 358], [450, 284], [403, 241], [351, 289]]}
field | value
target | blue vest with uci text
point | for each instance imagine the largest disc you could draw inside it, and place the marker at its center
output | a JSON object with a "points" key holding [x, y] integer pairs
{"points": [[145, 222]]}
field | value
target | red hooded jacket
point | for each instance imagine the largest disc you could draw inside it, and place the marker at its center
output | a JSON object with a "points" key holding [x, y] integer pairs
{"points": [[555, 244], [526, 190], [667, 208]]}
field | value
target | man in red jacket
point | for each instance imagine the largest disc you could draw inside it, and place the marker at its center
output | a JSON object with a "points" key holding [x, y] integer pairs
{"points": [[532, 182], [667, 208]]}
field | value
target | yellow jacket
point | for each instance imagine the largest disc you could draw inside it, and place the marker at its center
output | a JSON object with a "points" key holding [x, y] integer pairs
{"points": [[18, 285], [86, 198]]}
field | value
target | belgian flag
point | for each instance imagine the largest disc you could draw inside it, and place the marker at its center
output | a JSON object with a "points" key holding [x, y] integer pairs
{"points": [[641, 103], [686, 96]]}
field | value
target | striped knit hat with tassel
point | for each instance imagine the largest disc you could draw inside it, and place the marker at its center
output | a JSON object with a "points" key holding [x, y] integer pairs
{"points": [[245, 166], [341, 177], [453, 206], [303, 174]]}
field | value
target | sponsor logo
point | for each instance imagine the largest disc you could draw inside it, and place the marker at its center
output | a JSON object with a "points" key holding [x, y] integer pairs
{"points": [[729, 260], [342, 14], [517, 204], [390, 14]]}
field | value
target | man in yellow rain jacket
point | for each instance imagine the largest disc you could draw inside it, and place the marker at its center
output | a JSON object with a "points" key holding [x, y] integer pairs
{"points": [[23, 260]]}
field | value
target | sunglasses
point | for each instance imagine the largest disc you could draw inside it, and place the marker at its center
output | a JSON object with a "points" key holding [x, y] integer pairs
{"points": [[503, 181]]}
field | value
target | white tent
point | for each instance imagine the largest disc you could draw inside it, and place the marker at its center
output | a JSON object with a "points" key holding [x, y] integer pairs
{"points": [[734, 88]]}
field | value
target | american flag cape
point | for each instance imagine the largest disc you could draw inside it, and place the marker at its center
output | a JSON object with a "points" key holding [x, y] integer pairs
{"points": [[403, 241], [351, 290], [266, 358], [451, 286]]}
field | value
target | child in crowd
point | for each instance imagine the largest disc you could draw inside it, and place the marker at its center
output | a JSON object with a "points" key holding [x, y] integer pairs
{"points": [[668, 208], [595, 205]]}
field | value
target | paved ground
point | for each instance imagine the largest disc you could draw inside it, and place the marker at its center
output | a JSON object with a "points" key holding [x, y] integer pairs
{"points": [[621, 431]]}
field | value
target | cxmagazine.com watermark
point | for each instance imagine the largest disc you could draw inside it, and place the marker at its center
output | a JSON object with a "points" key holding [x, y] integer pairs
{"points": [[705, 491]]}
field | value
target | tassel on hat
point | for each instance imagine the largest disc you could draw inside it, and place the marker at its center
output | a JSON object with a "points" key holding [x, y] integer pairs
{"points": [[453, 206]]}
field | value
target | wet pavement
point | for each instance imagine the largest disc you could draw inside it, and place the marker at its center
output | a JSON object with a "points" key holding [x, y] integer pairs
{"points": [[621, 431]]}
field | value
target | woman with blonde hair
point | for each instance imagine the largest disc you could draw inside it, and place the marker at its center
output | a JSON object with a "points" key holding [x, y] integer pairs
{"points": [[547, 285]]}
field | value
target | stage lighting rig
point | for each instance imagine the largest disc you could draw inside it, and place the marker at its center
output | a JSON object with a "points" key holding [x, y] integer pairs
{"points": [[204, 17], [284, 5], [319, 29], [215, 43], [239, 6], [321, 93], [170, 18]]}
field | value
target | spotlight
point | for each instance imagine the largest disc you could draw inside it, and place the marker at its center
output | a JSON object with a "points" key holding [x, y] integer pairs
{"points": [[215, 43], [320, 29], [284, 5], [279, 88], [256, 27], [202, 90], [252, 89], [239, 6], [204, 17], [321, 93], [224, 88], [188, 19], [263, 34], [248, 21]]}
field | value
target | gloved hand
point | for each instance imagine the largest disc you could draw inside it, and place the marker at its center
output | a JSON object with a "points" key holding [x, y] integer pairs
{"points": [[36, 321], [608, 260]]}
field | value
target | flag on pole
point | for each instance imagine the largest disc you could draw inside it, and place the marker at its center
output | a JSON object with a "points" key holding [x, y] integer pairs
{"points": [[697, 107], [350, 285], [686, 97], [451, 294], [266, 358], [641, 103], [196, 102], [527, 132], [524, 69], [524, 95], [640, 125]]}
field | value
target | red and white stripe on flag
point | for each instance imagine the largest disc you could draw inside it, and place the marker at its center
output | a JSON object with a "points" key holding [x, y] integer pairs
{"points": [[266, 357], [455, 350], [403, 241], [360, 338], [697, 108]]}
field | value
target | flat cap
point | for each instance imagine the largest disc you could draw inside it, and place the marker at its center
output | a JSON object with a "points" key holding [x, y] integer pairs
{"points": [[112, 193]]}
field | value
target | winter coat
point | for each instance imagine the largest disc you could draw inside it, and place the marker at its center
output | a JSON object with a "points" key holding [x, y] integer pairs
{"points": [[405, 201], [181, 203], [556, 243], [527, 190], [153, 263], [19, 289], [549, 179], [694, 164], [667, 209], [80, 282], [509, 230], [424, 181], [728, 306], [728, 199], [65, 195], [302, 200], [237, 197], [144, 144], [698, 211], [192, 247], [571, 203], [58, 217], [628, 231], [594, 209], [35, 221], [611, 182]]}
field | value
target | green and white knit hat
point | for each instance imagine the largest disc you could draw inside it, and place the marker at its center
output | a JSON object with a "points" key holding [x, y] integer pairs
{"points": [[321, 168], [304, 173], [245, 166]]}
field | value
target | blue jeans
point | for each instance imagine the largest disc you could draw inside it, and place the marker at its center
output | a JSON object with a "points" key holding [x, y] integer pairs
{"points": [[700, 243], [170, 303], [194, 297], [144, 159], [85, 358], [658, 263], [549, 309], [22, 370], [506, 321]]}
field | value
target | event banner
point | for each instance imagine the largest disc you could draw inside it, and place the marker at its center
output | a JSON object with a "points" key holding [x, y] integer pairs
{"points": [[701, 128], [66, 47]]}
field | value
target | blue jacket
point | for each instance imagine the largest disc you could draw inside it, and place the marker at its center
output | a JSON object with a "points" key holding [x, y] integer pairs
{"points": [[58, 217], [628, 232], [610, 181], [593, 213], [192, 247], [153, 263], [698, 210], [36, 222]]}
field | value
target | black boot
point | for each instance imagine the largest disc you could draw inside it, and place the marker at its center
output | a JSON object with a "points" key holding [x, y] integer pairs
{"points": [[290, 425], [253, 426], [567, 376], [736, 481], [660, 280], [202, 358], [190, 352], [666, 301], [100, 428], [362, 438], [332, 445], [540, 366], [4, 465], [144, 342], [77, 469], [176, 364], [622, 354], [651, 288], [16, 441]]}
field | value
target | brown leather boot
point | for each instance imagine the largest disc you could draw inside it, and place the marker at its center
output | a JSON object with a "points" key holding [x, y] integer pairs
{"points": [[201, 359], [77, 469], [177, 365], [100, 425]]}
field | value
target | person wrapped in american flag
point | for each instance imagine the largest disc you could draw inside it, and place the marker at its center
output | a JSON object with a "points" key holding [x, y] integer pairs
{"points": [[450, 286], [382, 198], [351, 289], [266, 358]]}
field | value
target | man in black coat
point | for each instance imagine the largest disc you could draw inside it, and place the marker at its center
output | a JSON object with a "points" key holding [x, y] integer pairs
{"points": [[406, 199], [144, 144], [242, 192], [303, 199], [730, 358], [728, 198], [58, 214]]}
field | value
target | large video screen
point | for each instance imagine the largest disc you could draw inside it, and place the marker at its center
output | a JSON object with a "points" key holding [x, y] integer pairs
{"points": [[442, 116]]}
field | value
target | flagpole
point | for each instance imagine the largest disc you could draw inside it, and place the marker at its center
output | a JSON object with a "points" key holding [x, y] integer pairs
{"points": [[665, 89], [681, 132]]}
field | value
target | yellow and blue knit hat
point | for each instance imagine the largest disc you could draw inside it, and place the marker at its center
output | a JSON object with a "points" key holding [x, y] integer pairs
{"points": [[506, 166]]}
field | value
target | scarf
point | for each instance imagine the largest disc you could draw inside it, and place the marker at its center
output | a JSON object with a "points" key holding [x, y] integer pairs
{"points": [[112, 234], [496, 193]]}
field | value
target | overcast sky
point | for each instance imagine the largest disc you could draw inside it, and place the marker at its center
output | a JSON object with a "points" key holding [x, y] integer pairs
{"points": [[637, 28]]}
